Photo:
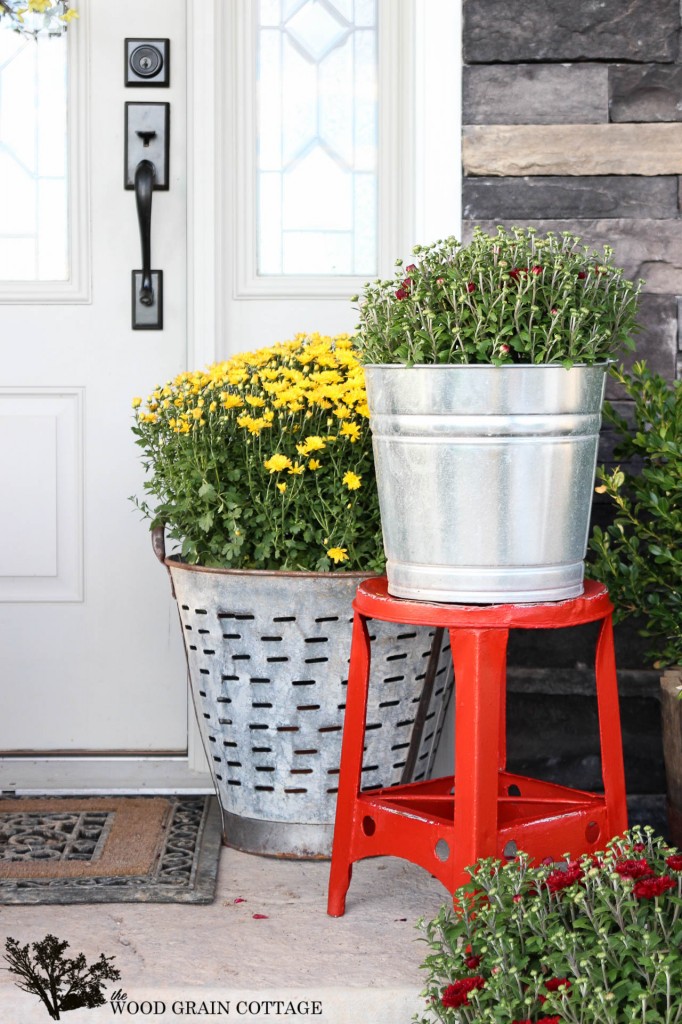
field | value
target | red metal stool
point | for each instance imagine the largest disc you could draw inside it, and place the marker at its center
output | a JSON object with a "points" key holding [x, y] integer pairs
{"points": [[447, 824]]}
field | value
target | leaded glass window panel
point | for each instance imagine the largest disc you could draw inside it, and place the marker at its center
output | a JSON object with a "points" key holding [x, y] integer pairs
{"points": [[317, 139], [33, 158]]}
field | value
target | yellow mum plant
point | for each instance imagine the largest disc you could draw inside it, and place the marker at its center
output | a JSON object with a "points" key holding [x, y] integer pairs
{"points": [[265, 461]]}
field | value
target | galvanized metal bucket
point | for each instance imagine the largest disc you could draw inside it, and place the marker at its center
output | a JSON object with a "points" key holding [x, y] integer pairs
{"points": [[268, 656], [485, 477]]}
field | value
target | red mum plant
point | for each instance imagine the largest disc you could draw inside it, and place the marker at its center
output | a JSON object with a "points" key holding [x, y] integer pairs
{"points": [[546, 298], [595, 939]]}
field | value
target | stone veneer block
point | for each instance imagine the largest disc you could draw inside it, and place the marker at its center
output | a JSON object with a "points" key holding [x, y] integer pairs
{"points": [[497, 31], [590, 196], [649, 92], [648, 249], [535, 94], [656, 341], [514, 150]]}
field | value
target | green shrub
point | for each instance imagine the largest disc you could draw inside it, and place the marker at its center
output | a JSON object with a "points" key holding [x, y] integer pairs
{"points": [[639, 556]]}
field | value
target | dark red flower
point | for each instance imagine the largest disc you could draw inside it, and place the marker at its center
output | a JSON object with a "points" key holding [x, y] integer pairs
{"points": [[517, 898], [581, 275], [440, 280], [675, 862], [471, 287], [504, 348], [526, 1020], [457, 994], [401, 294], [557, 880], [649, 888], [407, 283], [634, 869], [556, 983], [472, 962], [410, 268], [537, 269], [554, 312], [638, 847], [549, 1020]]}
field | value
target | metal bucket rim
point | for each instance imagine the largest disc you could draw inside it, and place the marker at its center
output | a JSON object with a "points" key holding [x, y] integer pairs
{"points": [[490, 366], [173, 563]]}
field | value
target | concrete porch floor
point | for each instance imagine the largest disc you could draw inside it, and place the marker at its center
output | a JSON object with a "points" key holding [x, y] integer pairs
{"points": [[362, 968]]}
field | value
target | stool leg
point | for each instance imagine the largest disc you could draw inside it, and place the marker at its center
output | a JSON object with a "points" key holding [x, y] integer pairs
{"points": [[479, 657], [613, 772], [350, 773]]}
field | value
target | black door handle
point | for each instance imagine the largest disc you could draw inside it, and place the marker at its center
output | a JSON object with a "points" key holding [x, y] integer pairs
{"points": [[145, 174]]}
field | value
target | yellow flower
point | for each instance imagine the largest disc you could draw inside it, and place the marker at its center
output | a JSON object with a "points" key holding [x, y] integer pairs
{"points": [[231, 401], [296, 470], [213, 406], [311, 444], [351, 480], [254, 400], [338, 554], [137, 402], [281, 488], [314, 464], [351, 431], [276, 463], [196, 413]]}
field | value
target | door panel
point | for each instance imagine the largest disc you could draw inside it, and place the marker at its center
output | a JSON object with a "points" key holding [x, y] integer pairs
{"points": [[90, 654]]}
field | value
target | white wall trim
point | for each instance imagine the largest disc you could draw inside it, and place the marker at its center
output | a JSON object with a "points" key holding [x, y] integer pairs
{"points": [[438, 119], [205, 146], [78, 287]]}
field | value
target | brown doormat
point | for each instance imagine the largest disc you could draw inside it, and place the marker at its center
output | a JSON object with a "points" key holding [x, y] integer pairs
{"points": [[109, 849]]}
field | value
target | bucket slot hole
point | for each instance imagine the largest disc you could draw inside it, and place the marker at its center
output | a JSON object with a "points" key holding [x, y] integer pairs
{"points": [[400, 746], [233, 782], [408, 721], [230, 679], [315, 661], [308, 707], [260, 679], [261, 705], [371, 768], [271, 639], [341, 707], [311, 750], [284, 618], [256, 727], [207, 650], [333, 789], [232, 636], [301, 771], [303, 682], [389, 703], [316, 640], [264, 768], [333, 771], [260, 750], [330, 728], [241, 657], [297, 790], [200, 611], [399, 764], [229, 743], [287, 728], [406, 636], [188, 627], [373, 725], [327, 618], [396, 679], [244, 617], [399, 657], [281, 657], [265, 789]]}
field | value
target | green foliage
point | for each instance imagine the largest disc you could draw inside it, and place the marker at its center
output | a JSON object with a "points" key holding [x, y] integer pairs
{"points": [[265, 461], [62, 983], [639, 556], [507, 298], [599, 942]]}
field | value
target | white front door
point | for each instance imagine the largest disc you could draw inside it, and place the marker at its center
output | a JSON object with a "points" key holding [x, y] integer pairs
{"points": [[90, 656], [92, 672]]}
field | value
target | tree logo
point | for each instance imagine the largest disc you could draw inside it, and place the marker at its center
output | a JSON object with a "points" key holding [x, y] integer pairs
{"points": [[60, 982]]}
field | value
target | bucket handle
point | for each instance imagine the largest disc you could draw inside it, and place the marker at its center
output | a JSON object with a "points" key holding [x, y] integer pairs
{"points": [[159, 548]]}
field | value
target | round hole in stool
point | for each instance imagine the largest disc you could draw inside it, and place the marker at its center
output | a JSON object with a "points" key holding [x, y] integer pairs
{"points": [[510, 850], [592, 832], [369, 825], [513, 790], [442, 850]]}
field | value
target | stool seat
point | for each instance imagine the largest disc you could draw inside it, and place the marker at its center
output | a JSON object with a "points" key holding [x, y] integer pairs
{"points": [[445, 825]]}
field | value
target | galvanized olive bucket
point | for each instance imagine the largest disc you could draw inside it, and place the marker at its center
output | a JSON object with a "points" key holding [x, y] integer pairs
{"points": [[268, 656], [485, 478]]}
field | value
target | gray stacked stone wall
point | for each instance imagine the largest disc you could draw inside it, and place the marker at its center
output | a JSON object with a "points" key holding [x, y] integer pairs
{"points": [[572, 120]]}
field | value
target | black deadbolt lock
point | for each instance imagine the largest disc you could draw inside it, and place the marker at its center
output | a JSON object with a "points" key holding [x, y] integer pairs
{"points": [[147, 62]]}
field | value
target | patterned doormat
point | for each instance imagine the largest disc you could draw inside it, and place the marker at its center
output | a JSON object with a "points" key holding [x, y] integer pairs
{"points": [[109, 849]]}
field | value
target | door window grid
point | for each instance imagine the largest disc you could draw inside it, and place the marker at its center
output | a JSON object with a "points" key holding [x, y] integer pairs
{"points": [[33, 158], [317, 162]]}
